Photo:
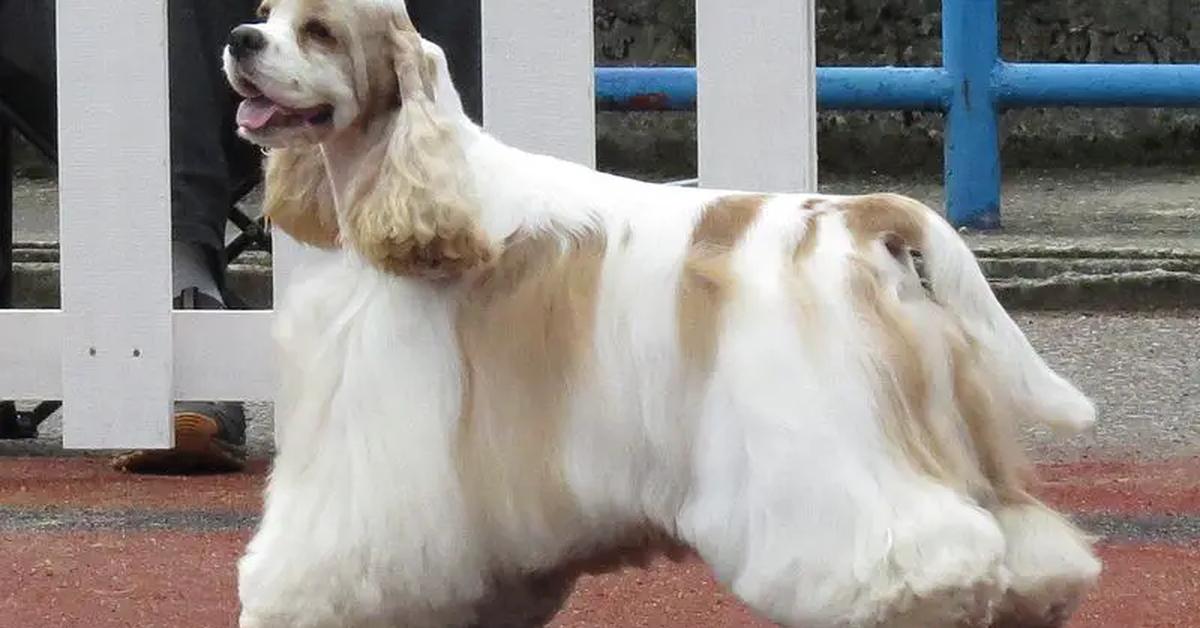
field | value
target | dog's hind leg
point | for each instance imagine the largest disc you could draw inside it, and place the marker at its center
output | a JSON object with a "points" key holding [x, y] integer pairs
{"points": [[804, 506], [1051, 563], [813, 532]]}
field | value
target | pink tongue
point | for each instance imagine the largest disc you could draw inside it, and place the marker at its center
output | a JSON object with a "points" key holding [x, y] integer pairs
{"points": [[255, 113]]}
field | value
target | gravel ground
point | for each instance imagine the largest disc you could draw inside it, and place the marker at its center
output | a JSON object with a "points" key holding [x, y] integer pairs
{"points": [[1143, 370]]}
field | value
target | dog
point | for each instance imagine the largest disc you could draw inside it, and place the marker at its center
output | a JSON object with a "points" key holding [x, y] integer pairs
{"points": [[508, 369]]}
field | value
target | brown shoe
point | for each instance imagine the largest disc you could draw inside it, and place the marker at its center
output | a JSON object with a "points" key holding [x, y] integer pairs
{"points": [[209, 437], [202, 445]]}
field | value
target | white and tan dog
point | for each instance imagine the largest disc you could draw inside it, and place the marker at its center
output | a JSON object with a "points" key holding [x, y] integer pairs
{"points": [[510, 366]]}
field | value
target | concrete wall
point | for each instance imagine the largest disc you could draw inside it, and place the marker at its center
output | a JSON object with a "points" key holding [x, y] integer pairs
{"points": [[907, 32]]}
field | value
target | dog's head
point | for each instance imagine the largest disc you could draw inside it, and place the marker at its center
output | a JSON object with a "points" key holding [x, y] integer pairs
{"points": [[317, 71], [313, 68]]}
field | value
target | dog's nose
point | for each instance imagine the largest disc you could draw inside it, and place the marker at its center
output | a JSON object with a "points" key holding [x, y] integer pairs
{"points": [[245, 40]]}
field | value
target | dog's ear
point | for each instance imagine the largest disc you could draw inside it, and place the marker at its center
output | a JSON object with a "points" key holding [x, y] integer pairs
{"points": [[418, 214], [297, 196]]}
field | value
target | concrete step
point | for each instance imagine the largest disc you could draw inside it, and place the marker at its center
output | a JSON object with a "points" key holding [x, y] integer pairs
{"points": [[1108, 239], [36, 277]]}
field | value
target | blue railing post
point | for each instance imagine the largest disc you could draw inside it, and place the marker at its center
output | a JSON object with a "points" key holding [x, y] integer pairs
{"points": [[972, 87], [971, 51]]}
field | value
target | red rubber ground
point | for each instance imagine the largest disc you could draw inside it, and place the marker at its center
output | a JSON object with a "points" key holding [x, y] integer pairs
{"points": [[183, 576]]}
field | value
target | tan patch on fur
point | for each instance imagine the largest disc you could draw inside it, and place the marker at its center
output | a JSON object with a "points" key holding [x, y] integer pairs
{"points": [[991, 426], [796, 278], [297, 198], [308, 9], [993, 468], [808, 240], [876, 216], [707, 281], [417, 214], [312, 8], [905, 408], [976, 448], [316, 12], [726, 220], [526, 328], [416, 238]]}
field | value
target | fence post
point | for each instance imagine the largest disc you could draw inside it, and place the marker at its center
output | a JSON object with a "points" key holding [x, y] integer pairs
{"points": [[756, 94], [538, 76], [971, 51], [114, 178]]}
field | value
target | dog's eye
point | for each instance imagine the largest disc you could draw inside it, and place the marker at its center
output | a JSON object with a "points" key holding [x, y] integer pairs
{"points": [[264, 12], [318, 31]]}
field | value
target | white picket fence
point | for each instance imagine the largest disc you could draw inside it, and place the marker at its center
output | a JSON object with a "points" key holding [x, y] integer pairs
{"points": [[117, 355]]}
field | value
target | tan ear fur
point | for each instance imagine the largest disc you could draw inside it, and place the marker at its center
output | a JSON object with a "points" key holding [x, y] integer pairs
{"points": [[418, 215], [297, 197]]}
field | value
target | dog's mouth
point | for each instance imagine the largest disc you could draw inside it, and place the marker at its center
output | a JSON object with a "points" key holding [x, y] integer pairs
{"points": [[259, 113]]}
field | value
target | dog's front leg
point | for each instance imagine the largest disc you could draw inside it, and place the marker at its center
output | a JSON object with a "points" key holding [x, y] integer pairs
{"points": [[364, 522]]}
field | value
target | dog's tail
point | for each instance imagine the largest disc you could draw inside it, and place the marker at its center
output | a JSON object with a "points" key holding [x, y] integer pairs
{"points": [[1039, 394]]}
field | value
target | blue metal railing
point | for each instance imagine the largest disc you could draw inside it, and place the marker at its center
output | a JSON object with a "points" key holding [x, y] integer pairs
{"points": [[973, 87]]}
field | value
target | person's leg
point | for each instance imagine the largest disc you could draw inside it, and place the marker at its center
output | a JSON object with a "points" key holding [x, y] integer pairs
{"points": [[27, 72], [455, 26], [202, 128]]}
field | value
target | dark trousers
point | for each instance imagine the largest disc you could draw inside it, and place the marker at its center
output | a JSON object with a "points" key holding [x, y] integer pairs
{"points": [[208, 161], [455, 26]]}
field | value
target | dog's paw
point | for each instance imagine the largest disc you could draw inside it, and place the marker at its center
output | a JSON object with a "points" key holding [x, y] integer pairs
{"points": [[250, 620], [1051, 563], [947, 557]]}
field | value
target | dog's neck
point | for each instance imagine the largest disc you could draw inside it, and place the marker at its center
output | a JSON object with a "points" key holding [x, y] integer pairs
{"points": [[348, 153]]}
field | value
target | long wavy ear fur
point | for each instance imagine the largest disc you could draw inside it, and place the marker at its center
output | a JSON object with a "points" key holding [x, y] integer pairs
{"points": [[297, 196], [418, 215]]}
